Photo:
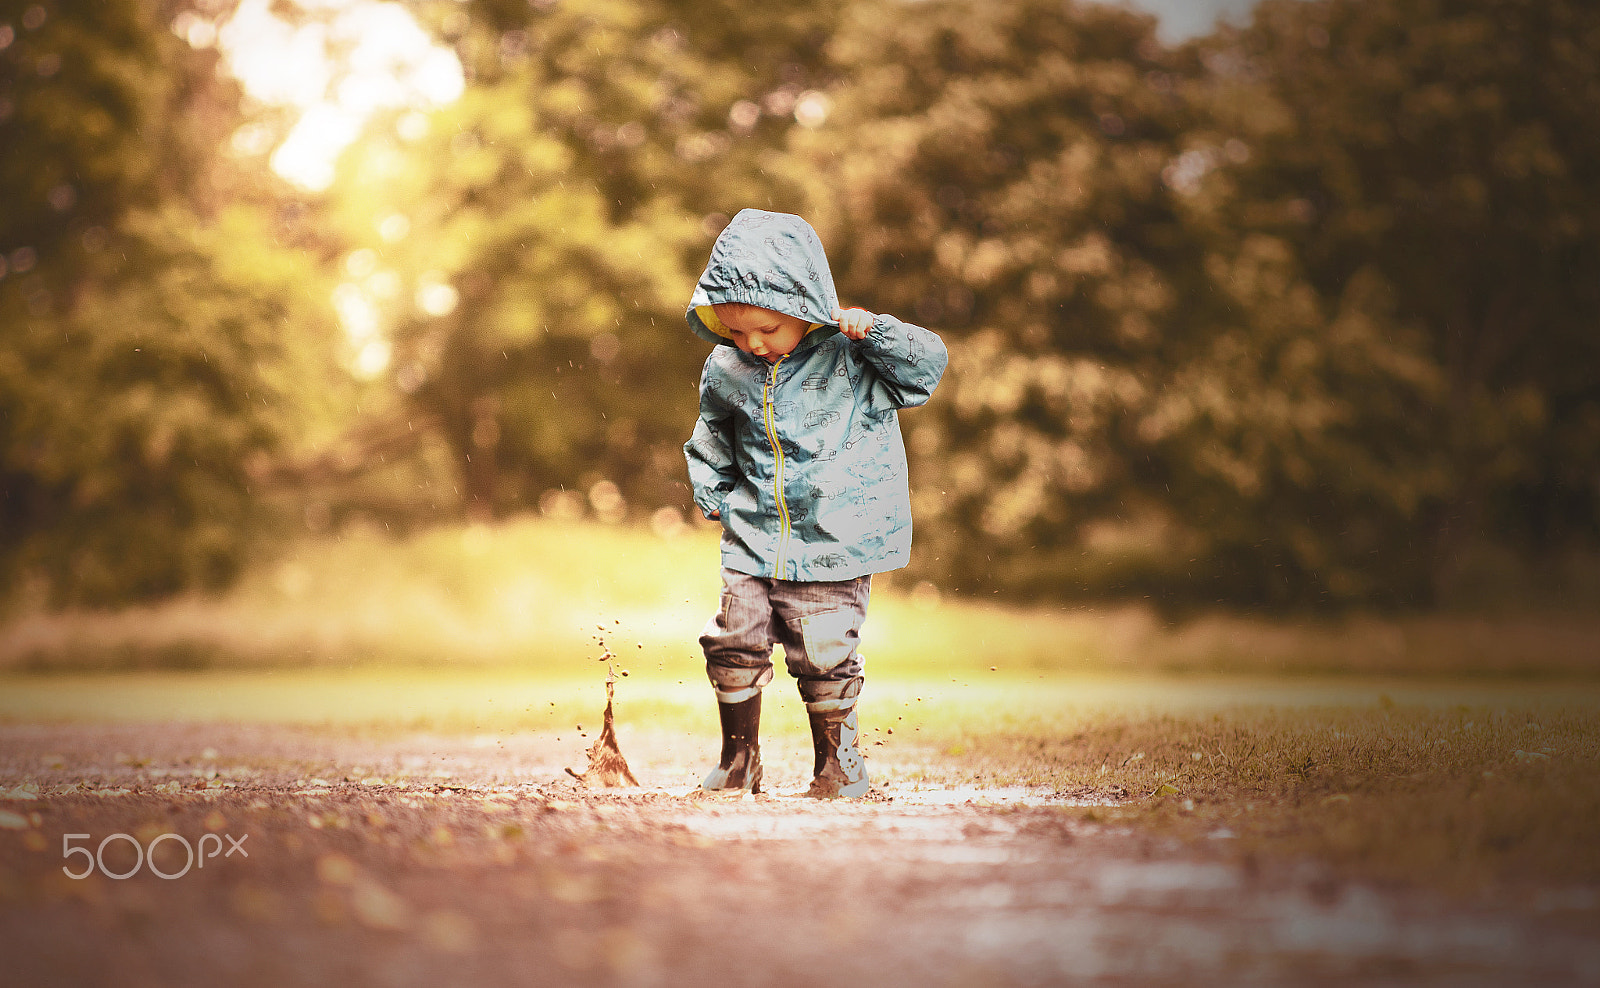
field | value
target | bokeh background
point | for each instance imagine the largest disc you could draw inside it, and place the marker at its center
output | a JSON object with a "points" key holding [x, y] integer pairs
{"points": [[342, 330]]}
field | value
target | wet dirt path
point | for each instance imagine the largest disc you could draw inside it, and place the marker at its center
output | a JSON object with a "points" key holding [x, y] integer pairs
{"points": [[413, 859]]}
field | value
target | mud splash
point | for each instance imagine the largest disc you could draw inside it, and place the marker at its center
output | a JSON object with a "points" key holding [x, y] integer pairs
{"points": [[607, 767]]}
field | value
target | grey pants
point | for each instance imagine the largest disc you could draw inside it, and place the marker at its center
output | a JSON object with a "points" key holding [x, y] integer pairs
{"points": [[818, 625]]}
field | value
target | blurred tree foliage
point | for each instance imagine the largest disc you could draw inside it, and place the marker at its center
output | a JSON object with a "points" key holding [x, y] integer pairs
{"points": [[1148, 396], [1297, 314], [1444, 153], [543, 232], [155, 337]]}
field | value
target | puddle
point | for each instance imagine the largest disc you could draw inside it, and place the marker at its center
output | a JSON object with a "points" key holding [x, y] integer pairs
{"points": [[1126, 880], [942, 837], [987, 796], [923, 815]]}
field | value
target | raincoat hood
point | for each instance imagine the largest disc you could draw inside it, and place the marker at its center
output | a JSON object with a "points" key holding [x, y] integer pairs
{"points": [[773, 260]]}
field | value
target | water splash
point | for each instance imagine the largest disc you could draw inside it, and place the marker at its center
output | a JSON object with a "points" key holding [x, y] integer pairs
{"points": [[607, 767]]}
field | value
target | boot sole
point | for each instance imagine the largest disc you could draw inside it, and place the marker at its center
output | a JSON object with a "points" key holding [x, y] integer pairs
{"points": [[854, 790], [734, 792]]}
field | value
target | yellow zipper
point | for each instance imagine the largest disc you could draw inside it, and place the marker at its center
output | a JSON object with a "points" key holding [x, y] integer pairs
{"points": [[777, 451]]}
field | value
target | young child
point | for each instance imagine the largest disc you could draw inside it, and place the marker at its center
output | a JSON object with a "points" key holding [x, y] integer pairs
{"points": [[798, 452]]}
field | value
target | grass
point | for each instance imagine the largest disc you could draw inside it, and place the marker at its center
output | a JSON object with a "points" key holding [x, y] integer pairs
{"points": [[531, 594], [1458, 752], [527, 594]]}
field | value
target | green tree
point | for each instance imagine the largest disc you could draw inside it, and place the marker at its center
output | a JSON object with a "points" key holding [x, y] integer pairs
{"points": [[545, 230], [1144, 397], [152, 336], [1445, 150]]}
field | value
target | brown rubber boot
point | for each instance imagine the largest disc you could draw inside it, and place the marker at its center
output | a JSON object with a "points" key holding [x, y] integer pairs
{"points": [[840, 769], [739, 770]]}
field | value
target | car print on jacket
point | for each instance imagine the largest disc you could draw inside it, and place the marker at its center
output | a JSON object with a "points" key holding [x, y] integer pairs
{"points": [[819, 417]]}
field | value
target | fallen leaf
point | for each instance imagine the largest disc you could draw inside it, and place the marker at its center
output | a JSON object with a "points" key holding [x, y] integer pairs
{"points": [[574, 890], [336, 869], [450, 931], [377, 907], [257, 904]]}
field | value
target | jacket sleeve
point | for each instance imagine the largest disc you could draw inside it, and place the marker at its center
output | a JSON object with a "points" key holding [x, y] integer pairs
{"points": [[713, 471], [908, 361]]}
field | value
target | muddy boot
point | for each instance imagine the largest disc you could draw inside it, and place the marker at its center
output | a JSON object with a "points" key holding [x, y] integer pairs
{"points": [[840, 769], [740, 767]]}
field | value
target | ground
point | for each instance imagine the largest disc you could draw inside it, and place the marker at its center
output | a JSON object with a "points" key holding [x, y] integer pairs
{"points": [[409, 858]]}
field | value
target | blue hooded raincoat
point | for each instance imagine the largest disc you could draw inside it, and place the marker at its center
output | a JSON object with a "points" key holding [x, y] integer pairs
{"points": [[802, 459]]}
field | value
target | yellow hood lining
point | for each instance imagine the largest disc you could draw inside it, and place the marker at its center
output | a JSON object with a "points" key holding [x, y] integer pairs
{"points": [[708, 315]]}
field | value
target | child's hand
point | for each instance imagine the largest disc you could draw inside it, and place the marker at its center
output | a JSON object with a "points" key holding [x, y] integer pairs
{"points": [[854, 323]]}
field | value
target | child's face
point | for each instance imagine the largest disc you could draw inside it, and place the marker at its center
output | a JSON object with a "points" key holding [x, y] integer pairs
{"points": [[761, 332]]}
